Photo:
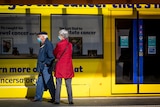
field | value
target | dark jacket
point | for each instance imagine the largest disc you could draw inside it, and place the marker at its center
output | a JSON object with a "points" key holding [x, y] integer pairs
{"points": [[45, 55]]}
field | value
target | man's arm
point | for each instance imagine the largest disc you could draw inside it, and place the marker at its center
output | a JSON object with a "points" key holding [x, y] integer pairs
{"points": [[49, 52]]}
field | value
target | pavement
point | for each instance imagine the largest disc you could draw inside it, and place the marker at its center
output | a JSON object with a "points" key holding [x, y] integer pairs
{"points": [[89, 101]]}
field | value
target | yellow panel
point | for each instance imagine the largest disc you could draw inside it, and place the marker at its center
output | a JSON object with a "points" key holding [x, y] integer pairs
{"points": [[47, 12], [143, 14], [123, 12], [82, 11], [5, 9], [14, 92], [94, 76], [149, 88], [149, 12], [77, 89], [124, 88]]}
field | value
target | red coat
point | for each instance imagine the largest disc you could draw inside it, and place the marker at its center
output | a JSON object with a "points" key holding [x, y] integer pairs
{"points": [[64, 66]]}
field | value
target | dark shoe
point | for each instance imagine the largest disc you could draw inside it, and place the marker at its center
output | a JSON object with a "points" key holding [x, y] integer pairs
{"points": [[56, 102], [45, 89], [35, 100], [51, 101], [71, 102]]}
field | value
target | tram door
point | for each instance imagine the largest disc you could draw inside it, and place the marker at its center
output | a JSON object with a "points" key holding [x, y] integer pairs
{"points": [[149, 62], [137, 56]]}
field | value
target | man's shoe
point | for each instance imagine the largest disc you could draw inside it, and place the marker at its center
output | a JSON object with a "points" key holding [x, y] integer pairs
{"points": [[56, 102], [35, 100], [51, 101], [71, 102]]}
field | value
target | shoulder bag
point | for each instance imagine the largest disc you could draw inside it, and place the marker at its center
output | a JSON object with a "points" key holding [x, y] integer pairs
{"points": [[56, 60]]}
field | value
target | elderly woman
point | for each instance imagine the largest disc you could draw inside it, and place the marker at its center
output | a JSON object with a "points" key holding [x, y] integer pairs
{"points": [[64, 66]]}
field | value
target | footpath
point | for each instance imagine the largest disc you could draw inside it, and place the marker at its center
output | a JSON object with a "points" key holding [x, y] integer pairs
{"points": [[91, 101]]}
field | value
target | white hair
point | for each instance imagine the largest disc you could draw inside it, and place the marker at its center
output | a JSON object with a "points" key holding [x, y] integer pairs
{"points": [[45, 36], [64, 33]]}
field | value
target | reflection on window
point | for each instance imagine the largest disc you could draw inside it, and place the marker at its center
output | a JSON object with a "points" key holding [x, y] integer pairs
{"points": [[124, 51], [17, 35], [85, 34]]}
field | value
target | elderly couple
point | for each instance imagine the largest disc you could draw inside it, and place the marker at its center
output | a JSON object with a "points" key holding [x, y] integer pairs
{"points": [[62, 53]]}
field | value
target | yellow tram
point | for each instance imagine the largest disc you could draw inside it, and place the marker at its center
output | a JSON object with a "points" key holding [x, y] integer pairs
{"points": [[117, 55]]}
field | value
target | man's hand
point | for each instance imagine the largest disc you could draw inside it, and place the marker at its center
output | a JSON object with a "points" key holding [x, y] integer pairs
{"points": [[56, 60]]}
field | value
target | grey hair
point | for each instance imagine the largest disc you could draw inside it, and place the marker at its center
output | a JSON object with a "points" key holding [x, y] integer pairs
{"points": [[64, 33]]}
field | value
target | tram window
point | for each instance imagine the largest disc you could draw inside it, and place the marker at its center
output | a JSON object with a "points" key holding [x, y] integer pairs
{"points": [[85, 33], [18, 36], [124, 52]]}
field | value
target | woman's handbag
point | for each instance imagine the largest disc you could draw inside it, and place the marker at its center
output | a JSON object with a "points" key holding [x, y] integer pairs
{"points": [[54, 65], [56, 60]]}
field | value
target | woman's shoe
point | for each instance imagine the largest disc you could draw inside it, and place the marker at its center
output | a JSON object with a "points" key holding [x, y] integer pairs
{"points": [[56, 102], [71, 102]]}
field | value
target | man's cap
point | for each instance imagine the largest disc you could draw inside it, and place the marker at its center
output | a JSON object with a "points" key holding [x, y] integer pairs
{"points": [[42, 33]]}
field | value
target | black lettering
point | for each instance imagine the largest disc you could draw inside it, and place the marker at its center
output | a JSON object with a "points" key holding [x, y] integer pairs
{"points": [[19, 33], [119, 5], [32, 80], [3, 70], [6, 81], [91, 5], [85, 5], [19, 70], [138, 6], [11, 7], [41, 5], [10, 81], [1, 80], [76, 69], [21, 5], [21, 80], [66, 5], [147, 6], [28, 69], [5, 33], [17, 80], [74, 5], [123, 5], [74, 32], [74, 28], [34, 69], [81, 69], [114, 6], [88, 33], [27, 80], [12, 69], [130, 5], [80, 5], [29, 4], [55, 5], [156, 5], [14, 80], [100, 5]]}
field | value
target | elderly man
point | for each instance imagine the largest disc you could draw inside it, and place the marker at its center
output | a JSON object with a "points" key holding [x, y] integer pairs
{"points": [[44, 67]]}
